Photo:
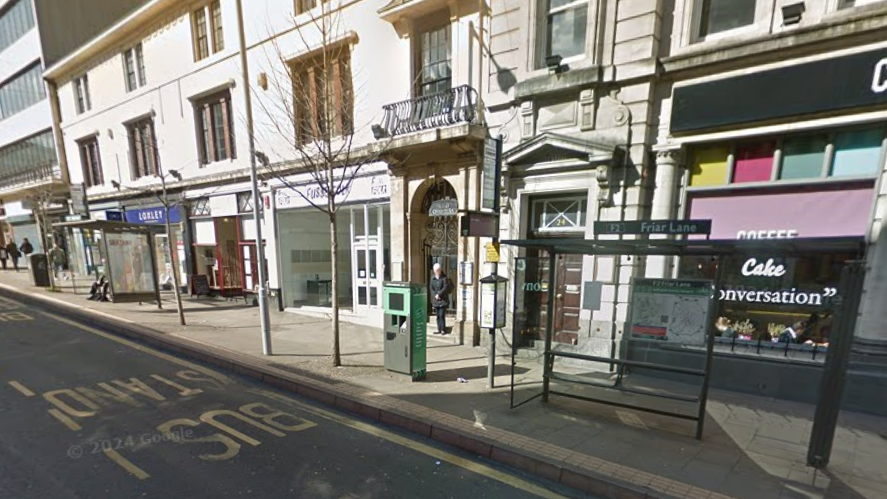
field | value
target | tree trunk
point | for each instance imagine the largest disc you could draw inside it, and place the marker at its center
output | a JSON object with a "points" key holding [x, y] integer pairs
{"points": [[173, 254], [334, 248]]}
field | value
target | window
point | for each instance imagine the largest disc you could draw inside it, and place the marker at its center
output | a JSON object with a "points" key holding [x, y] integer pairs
{"points": [[245, 202], [855, 152], [717, 16], [89, 159], [28, 160], [15, 21], [563, 214], [216, 128], [81, 94], [803, 157], [564, 24], [754, 162], [303, 6], [201, 208], [436, 73], [218, 35], [143, 148], [436, 68], [846, 4], [22, 91], [134, 66], [323, 96], [709, 166], [206, 26]]}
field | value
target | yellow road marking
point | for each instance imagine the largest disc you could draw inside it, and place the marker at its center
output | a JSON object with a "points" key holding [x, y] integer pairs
{"points": [[126, 464], [65, 420], [169, 358], [21, 388], [474, 467]]}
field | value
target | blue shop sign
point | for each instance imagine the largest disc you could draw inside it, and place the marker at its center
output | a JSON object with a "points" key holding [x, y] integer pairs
{"points": [[152, 216]]}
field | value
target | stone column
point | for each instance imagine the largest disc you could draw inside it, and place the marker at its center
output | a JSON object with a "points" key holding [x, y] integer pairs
{"points": [[665, 202], [871, 330]]}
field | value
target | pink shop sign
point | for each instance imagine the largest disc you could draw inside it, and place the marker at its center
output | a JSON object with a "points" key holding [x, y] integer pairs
{"points": [[824, 213]]}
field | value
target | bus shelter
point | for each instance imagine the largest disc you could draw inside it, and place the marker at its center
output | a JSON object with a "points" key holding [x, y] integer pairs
{"points": [[661, 361], [122, 253]]}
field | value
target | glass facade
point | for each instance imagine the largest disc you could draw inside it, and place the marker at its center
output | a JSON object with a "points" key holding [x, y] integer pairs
{"points": [[22, 91], [15, 20]]}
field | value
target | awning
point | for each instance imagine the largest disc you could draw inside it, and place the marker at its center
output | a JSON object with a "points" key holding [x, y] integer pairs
{"points": [[644, 247]]}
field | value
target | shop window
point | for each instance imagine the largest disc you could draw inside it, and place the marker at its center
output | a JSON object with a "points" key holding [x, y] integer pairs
{"points": [[709, 167], [717, 16], [559, 215], [803, 157], [857, 153], [754, 162]]}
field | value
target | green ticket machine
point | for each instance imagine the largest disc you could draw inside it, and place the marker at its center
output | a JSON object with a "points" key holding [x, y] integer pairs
{"points": [[406, 317]]}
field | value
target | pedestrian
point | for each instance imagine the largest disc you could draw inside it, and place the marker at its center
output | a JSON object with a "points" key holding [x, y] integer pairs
{"points": [[13, 254], [59, 260], [440, 292], [3, 256]]}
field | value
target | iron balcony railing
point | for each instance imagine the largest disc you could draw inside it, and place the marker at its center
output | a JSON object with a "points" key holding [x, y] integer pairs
{"points": [[457, 105], [27, 176]]}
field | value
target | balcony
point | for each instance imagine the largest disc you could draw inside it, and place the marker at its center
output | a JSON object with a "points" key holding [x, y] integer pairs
{"points": [[453, 107], [24, 179]]}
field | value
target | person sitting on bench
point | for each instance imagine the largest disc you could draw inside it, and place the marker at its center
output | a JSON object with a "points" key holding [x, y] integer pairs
{"points": [[98, 290]]}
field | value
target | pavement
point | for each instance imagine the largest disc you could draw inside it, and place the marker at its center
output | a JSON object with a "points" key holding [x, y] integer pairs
{"points": [[85, 414], [753, 447]]}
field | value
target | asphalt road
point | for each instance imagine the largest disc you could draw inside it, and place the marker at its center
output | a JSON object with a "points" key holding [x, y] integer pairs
{"points": [[85, 414]]}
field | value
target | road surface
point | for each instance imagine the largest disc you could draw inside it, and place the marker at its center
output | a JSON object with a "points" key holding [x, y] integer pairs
{"points": [[86, 414]]}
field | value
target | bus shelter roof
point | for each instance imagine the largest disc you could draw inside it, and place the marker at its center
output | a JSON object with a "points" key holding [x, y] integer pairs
{"points": [[103, 225], [692, 247]]}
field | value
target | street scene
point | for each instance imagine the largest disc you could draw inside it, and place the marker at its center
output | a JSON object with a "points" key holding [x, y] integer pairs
{"points": [[443, 248]]}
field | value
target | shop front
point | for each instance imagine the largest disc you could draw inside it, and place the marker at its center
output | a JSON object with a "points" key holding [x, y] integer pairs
{"points": [[156, 217], [763, 161], [363, 256], [223, 239]]}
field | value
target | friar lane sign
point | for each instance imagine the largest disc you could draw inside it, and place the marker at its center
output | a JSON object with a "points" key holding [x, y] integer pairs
{"points": [[672, 227]]}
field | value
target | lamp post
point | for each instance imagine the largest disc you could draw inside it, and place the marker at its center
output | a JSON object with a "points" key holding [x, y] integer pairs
{"points": [[264, 316]]}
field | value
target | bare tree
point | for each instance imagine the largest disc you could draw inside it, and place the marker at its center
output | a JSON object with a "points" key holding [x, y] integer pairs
{"points": [[308, 107], [42, 200]]}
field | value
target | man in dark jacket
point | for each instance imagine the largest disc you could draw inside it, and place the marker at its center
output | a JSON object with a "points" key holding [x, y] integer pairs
{"points": [[13, 254], [440, 297]]}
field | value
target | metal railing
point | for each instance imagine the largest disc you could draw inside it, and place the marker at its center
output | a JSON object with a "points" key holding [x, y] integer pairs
{"points": [[28, 176], [457, 105]]}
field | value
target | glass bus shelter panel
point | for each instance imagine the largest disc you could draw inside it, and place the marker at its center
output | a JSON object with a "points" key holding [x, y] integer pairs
{"points": [[532, 285]]}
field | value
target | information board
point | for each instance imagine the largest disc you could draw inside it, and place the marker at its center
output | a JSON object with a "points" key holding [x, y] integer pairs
{"points": [[672, 310]]}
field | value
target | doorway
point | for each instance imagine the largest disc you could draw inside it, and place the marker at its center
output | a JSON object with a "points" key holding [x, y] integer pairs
{"points": [[441, 240]]}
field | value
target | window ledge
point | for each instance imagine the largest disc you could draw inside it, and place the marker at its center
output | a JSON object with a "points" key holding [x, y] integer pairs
{"points": [[781, 184], [858, 21], [553, 83]]}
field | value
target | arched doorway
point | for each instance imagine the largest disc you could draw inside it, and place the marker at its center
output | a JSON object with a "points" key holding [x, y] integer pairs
{"points": [[440, 238]]}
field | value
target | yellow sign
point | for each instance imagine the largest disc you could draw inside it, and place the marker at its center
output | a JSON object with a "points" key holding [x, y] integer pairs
{"points": [[493, 252]]}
